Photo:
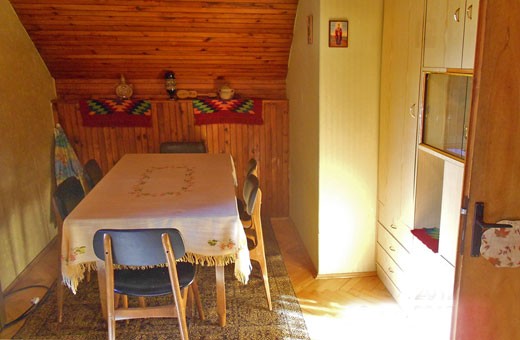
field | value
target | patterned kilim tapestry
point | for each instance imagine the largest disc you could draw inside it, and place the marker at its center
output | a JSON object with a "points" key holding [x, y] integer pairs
{"points": [[116, 112], [237, 111]]}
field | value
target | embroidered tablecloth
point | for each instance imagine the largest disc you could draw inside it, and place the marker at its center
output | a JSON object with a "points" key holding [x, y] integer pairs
{"points": [[194, 193]]}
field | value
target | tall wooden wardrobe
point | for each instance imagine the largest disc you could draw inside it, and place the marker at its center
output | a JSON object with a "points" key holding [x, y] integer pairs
{"points": [[427, 66]]}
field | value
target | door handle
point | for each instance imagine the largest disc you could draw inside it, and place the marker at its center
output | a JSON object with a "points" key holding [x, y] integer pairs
{"points": [[478, 226]]}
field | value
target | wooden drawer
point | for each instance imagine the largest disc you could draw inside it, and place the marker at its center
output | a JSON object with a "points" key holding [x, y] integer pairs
{"points": [[401, 233], [398, 253], [396, 293], [392, 270], [401, 297]]}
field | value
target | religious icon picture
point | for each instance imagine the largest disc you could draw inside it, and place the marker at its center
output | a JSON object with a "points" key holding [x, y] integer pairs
{"points": [[338, 33]]}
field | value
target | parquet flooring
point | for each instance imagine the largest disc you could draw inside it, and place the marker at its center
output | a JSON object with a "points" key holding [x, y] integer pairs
{"points": [[342, 308]]}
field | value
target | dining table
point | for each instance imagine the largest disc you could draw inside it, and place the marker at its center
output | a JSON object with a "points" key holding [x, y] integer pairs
{"points": [[194, 193]]}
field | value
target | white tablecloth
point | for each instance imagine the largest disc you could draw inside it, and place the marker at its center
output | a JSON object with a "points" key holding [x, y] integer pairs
{"points": [[194, 193]]}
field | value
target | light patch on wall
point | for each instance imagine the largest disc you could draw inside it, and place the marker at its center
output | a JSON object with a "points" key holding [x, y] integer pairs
{"points": [[344, 198]]}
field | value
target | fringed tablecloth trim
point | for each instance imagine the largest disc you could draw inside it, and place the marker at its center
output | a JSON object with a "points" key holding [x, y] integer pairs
{"points": [[76, 273], [208, 260]]}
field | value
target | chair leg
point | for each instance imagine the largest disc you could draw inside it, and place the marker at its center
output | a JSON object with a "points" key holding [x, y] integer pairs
{"points": [[117, 297], [59, 296], [142, 302], [263, 267], [111, 327], [190, 302], [258, 255], [194, 288], [125, 305], [181, 317]]}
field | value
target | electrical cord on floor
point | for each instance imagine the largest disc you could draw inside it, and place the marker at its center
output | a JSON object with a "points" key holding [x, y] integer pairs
{"points": [[34, 303]]}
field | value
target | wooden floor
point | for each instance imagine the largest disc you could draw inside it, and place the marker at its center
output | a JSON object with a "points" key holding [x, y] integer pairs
{"points": [[41, 272], [355, 308]]}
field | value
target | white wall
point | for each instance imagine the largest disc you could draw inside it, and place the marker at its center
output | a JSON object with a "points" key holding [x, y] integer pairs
{"points": [[349, 111], [303, 95], [345, 125], [26, 137]]}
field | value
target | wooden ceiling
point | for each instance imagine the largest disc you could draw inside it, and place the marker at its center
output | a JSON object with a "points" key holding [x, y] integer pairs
{"points": [[87, 44]]}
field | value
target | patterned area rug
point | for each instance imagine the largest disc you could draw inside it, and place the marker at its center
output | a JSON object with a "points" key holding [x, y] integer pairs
{"points": [[247, 313]]}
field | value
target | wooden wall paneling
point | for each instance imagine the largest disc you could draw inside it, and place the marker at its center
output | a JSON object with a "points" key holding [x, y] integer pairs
{"points": [[214, 136], [161, 127], [115, 152], [87, 44], [107, 159], [285, 163]]}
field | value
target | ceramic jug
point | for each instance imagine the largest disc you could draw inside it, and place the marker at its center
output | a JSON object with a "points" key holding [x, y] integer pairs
{"points": [[226, 92]]}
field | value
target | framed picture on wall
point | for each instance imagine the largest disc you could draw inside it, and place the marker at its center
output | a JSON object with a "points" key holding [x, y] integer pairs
{"points": [[338, 33]]}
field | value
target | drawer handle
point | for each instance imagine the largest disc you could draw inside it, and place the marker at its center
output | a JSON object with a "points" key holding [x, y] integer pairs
{"points": [[456, 15], [469, 12], [391, 248], [390, 270], [393, 226]]}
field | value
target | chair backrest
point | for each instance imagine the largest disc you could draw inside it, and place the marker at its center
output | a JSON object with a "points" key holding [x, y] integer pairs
{"points": [[94, 172], [183, 147], [67, 196], [250, 192], [252, 167], [138, 247]]}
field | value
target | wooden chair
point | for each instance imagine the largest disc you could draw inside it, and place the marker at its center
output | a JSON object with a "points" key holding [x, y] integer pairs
{"points": [[255, 237], [183, 147], [146, 248], [65, 198], [94, 172], [251, 168]]}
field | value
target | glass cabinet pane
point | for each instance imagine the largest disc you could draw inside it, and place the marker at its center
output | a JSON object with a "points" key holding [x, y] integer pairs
{"points": [[446, 112]]}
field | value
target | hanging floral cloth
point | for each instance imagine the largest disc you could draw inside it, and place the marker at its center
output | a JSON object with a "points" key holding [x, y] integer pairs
{"points": [[66, 162]]}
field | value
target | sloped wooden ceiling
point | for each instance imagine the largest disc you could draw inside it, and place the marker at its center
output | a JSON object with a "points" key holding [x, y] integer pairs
{"points": [[88, 44]]}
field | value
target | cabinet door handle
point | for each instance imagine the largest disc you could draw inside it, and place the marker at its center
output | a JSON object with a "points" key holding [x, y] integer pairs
{"points": [[393, 226], [469, 12], [391, 248], [390, 270], [456, 15]]}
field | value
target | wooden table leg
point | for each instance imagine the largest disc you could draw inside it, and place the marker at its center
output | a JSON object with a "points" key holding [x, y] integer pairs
{"points": [[102, 287], [221, 295]]}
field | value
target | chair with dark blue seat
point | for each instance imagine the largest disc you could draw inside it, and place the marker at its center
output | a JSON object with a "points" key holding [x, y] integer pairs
{"points": [[149, 249], [66, 197], [254, 232], [94, 173], [182, 147], [251, 168]]}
